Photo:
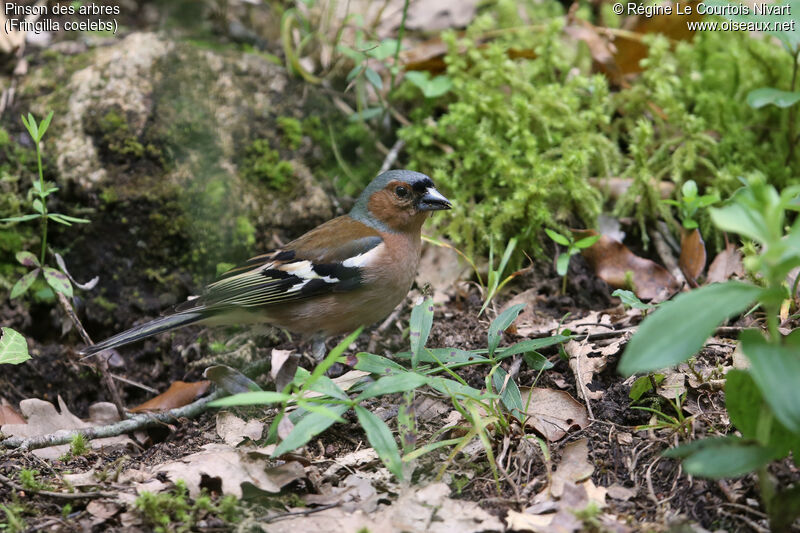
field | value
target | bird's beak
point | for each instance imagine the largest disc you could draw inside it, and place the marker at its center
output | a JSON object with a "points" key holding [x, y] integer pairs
{"points": [[433, 200]]}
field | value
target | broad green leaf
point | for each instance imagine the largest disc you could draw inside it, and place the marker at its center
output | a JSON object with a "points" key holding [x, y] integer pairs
{"points": [[631, 300], [317, 408], [562, 264], [374, 78], [446, 356], [380, 438], [454, 388], [38, 206], [586, 242], [557, 237], [264, 397], [384, 50], [13, 347], [742, 220], [58, 281], [22, 218], [354, 72], [500, 324], [775, 369], [784, 509], [394, 383], [325, 385], [420, 327], [377, 364], [30, 125], [745, 405], [307, 428], [643, 385], [438, 86], [24, 283], [678, 328], [758, 98], [531, 345], [27, 259], [510, 395], [722, 457]]}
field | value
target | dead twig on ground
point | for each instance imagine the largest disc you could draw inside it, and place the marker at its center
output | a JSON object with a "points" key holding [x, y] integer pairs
{"points": [[62, 495], [112, 430]]}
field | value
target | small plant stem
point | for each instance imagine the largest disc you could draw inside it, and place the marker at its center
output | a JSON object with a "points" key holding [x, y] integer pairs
{"points": [[43, 199], [792, 110], [400, 33], [564, 285]]}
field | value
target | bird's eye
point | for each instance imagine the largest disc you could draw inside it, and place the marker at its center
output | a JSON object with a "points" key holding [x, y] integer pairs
{"points": [[401, 192]]}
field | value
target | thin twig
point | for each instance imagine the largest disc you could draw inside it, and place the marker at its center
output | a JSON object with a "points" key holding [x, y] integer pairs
{"points": [[391, 157], [102, 362], [50, 494], [112, 430]]}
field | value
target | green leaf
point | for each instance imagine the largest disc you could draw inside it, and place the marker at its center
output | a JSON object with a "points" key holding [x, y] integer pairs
{"points": [[325, 385], [557, 237], [385, 49], [500, 324], [394, 383], [30, 125], [320, 409], [510, 395], [13, 347], [586, 242], [656, 344], [24, 283], [263, 397], [354, 72], [22, 218], [430, 87], [380, 438], [741, 219], [58, 281], [38, 206], [68, 218], [55, 217], [447, 356], [722, 457], [45, 124], [562, 264], [455, 389], [374, 78], [758, 98], [775, 369], [531, 345], [27, 259], [643, 385], [377, 364], [631, 300], [366, 114], [307, 428], [420, 327]]}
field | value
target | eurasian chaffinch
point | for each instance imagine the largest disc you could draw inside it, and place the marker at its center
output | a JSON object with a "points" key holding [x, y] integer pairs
{"points": [[348, 272]]}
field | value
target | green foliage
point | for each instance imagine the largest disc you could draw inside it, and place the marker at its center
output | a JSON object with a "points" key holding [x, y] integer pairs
{"points": [[40, 191], [316, 413], [27, 478], [78, 445], [573, 247], [764, 401], [629, 299], [175, 512], [13, 348], [262, 163], [14, 522], [116, 140], [690, 203]]}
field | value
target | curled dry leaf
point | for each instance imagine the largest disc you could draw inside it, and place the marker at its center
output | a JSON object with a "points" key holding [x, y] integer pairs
{"points": [[693, 255], [585, 367], [234, 430], [726, 265], [177, 395], [553, 413], [574, 466], [232, 467], [612, 261]]}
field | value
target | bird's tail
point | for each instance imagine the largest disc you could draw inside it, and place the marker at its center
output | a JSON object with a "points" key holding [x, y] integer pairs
{"points": [[153, 327]]}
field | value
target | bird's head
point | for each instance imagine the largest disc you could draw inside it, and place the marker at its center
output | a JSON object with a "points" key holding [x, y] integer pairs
{"points": [[398, 201]]}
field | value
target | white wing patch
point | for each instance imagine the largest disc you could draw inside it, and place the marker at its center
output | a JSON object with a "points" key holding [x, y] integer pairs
{"points": [[304, 270], [362, 260]]}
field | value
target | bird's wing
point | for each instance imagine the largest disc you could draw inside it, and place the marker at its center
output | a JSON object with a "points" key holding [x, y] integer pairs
{"points": [[327, 259]]}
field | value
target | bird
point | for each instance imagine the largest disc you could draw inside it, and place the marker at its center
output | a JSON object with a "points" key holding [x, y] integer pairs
{"points": [[349, 272]]}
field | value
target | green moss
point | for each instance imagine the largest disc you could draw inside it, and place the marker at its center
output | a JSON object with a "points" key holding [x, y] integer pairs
{"points": [[116, 140], [175, 511], [105, 303], [292, 132], [263, 164], [245, 232]]}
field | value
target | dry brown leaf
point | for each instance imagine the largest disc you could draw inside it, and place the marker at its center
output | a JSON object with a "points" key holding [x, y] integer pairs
{"points": [[674, 383], [8, 415], [283, 367], [726, 265], [584, 367], [233, 467], [353, 459], [229, 379], [574, 466], [425, 510], [553, 413], [178, 394], [440, 15], [618, 492], [233, 430], [612, 260], [440, 267], [531, 322], [103, 509], [693, 255]]}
